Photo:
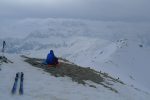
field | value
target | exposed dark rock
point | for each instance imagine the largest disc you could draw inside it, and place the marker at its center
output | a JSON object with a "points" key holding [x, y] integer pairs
{"points": [[78, 74]]}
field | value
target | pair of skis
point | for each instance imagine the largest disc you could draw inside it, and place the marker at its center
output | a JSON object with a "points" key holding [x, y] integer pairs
{"points": [[16, 82]]}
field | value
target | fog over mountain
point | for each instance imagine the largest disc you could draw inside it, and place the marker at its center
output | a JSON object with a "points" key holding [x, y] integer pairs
{"points": [[109, 36]]}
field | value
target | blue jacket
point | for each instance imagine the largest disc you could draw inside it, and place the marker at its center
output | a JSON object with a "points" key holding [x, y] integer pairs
{"points": [[51, 58]]}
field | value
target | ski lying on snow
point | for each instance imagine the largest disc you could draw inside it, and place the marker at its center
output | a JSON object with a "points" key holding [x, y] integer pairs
{"points": [[21, 83], [15, 83]]}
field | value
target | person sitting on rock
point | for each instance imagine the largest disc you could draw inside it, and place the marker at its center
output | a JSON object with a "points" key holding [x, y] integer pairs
{"points": [[51, 58]]}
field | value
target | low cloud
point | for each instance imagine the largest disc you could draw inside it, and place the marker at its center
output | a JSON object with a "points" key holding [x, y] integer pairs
{"points": [[108, 10]]}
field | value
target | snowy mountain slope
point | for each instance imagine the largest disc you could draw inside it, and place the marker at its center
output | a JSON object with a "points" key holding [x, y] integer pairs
{"points": [[97, 52], [68, 27], [113, 47], [44, 86]]}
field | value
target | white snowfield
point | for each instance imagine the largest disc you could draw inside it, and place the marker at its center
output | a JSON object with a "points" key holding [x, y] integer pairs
{"points": [[104, 46], [39, 85]]}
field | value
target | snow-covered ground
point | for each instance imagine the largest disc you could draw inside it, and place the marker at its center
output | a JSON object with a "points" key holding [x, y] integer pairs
{"points": [[120, 49], [39, 85]]}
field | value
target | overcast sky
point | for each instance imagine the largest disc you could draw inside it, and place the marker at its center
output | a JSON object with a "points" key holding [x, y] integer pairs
{"points": [[108, 10]]}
